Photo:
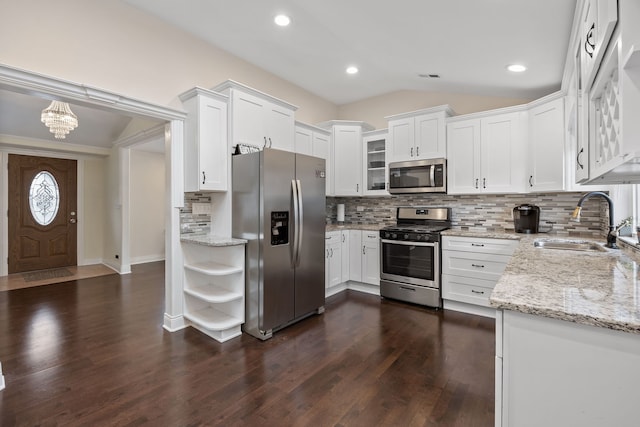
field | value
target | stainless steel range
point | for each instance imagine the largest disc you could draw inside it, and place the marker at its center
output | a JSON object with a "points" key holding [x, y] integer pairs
{"points": [[410, 255]]}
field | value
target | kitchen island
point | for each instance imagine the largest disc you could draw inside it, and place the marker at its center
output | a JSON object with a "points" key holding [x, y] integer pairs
{"points": [[567, 337]]}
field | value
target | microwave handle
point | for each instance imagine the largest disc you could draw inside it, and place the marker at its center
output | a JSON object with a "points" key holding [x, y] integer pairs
{"points": [[432, 175]]}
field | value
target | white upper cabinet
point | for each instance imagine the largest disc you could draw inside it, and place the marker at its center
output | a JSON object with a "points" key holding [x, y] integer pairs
{"points": [[312, 140], [485, 155], [206, 152], [597, 23], [546, 146], [418, 134], [374, 178], [259, 119], [346, 157]]}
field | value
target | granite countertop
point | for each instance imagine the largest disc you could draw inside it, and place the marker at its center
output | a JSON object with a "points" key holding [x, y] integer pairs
{"points": [[594, 288], [211, 240], [365, 227]]}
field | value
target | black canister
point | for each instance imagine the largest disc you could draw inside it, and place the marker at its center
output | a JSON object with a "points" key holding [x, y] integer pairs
{"points": [[526, 218]]}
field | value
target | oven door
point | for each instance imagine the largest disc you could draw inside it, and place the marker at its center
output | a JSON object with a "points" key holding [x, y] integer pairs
{"points": [[416, 263]]}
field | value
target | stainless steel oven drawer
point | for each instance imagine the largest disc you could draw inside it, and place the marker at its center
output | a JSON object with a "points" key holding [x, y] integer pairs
{"points": [[411, 293]]}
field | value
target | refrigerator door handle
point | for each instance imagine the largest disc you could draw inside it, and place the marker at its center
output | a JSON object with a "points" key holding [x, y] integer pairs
{"points": [[300, 222], [296, 221]]}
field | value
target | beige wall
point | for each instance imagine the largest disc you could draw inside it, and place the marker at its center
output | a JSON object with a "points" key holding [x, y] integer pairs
{"points": [[93, 193], [147, 199], [111, 45], [373, 110]]}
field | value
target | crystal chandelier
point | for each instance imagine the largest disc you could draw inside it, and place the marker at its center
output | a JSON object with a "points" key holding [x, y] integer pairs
{"points": [[59, 119]]}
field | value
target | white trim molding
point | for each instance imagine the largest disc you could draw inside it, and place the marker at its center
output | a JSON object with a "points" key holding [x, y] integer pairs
{"points": [[174, 323], [28, 82]]}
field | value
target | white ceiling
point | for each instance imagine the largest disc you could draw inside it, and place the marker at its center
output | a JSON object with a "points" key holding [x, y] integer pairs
{"points": [[467, 42]]}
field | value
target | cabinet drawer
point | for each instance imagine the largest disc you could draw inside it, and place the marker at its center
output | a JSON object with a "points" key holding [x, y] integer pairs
{"points": [[478, 266], [464, 289], [479, 245], [371, 238], [332, 237]]}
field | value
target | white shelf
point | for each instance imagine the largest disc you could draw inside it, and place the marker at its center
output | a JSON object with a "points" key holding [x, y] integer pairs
{"points": [[214, 295], [213, 320], [376, 169], [211, 268]]}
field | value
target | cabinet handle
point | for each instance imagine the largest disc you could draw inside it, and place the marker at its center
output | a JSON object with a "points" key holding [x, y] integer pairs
{"points": [[204, 177], [530, 183], [331, 252], [578, 158], [270, 143], [411, 151], [372, 236], [364, 252], [478, 244], [357, 188], [484, 182], [417, 151], [327, 238], [589, 43], [343, 237], [477, 265], [476, 182], [265, 142], [477, 292], [327, 253]]}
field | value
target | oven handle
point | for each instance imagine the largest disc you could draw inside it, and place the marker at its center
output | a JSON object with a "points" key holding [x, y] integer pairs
{"points": [[402, 242]]}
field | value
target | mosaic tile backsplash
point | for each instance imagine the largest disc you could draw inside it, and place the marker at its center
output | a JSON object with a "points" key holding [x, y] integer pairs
{"points": [[190, 222], [492, 213]]}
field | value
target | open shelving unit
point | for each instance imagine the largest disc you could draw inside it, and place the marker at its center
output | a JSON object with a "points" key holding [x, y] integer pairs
{"points": [[214, 289]]}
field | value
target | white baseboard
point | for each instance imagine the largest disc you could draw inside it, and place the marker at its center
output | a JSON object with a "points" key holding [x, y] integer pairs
{"points": [[92, 261], [363, 287], [335, 289], [174, 323], [469, 308], [146, 258]]}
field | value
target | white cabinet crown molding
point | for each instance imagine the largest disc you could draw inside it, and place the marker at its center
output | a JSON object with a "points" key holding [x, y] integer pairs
{"points": [[374, 133], [437, 109], [232, 84], [366, 127], [195, 91], [313, 128]]}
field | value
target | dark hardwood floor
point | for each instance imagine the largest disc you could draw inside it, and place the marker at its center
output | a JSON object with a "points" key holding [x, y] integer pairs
{"points": [[93, 352]]}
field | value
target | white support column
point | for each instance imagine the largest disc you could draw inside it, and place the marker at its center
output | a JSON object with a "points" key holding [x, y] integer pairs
{"points": [[124, 155], [174, 297]]}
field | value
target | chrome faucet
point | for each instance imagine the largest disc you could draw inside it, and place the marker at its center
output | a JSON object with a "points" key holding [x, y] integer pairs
{"points": [[611, 236]]}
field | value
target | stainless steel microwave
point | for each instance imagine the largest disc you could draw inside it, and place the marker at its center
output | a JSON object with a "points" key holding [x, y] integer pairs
{"points": [[418, 176]]}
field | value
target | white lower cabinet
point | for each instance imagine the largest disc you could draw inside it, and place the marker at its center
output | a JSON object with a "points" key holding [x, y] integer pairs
{"points": [[471, 267], [214, 289], [333, 263], [359, 252], [553, 372]]}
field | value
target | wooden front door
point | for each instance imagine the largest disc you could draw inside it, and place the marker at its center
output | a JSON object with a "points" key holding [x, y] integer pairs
{"points": [[42, 213]]}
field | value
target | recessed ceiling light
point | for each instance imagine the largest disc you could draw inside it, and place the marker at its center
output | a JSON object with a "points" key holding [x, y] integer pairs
{"points": [[352, 70], [516, 68], [282, 20]]}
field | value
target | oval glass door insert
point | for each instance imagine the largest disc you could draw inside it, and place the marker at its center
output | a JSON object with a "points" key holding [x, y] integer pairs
{"points": [[44, 198]]}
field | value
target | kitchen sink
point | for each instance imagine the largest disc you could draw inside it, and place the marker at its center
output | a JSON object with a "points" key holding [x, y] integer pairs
{"points": [[569, 245]]}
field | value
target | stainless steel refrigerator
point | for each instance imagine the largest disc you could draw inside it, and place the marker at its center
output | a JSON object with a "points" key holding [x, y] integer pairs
{"points": [[279, 207]]}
